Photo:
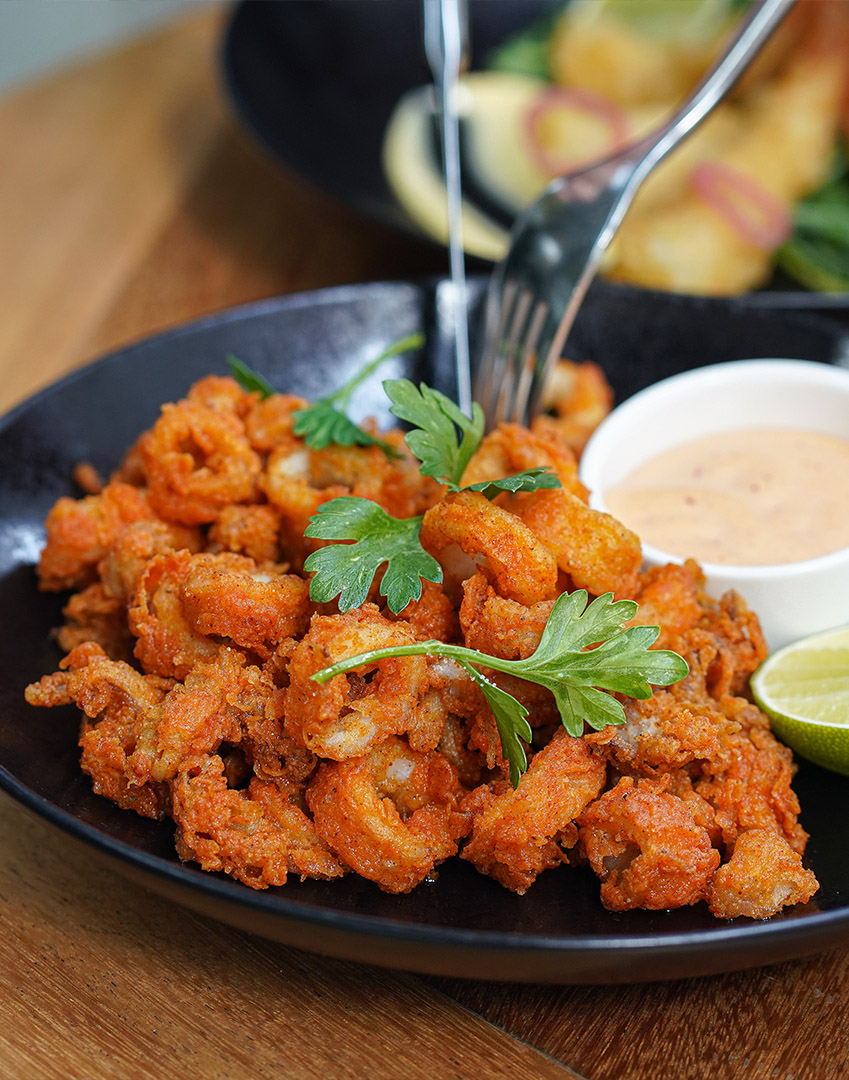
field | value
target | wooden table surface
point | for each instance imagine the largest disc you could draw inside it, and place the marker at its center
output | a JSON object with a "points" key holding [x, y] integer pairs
{"points": [[130, 201]]}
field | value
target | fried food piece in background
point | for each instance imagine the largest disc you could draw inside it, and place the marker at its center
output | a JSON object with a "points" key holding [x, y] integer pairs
{"points": [[581, 398], [392, 815], [709, 218], [644, 845], [349, 714], [777, 148], [81, 531], [516, 834], [196, 461], [763, 875], [604, 50], [511, 448]]}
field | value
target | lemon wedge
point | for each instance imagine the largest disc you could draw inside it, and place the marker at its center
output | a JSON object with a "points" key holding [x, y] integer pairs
{"points": [[804, 689]]}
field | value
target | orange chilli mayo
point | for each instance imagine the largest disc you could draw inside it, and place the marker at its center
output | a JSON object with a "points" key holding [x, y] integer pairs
{"points": [[748, 497]]}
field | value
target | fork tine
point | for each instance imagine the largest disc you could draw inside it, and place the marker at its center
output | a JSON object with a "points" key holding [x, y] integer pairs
{"points": [[552, 342], [517, 410], [491, 371], [510, 350]]}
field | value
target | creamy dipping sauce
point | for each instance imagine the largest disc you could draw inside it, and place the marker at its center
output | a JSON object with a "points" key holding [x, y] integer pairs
{"points": [[752, 497]]}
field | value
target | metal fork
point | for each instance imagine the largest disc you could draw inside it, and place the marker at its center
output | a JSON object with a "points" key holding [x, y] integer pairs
{"points": [[557, 244]]}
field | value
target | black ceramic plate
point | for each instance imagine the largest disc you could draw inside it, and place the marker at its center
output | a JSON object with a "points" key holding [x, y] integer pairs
{"points": [[464, 924], [316, 83]]}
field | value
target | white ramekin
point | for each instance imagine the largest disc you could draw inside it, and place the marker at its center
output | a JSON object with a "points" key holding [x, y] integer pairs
{"points": [[791, 599]]}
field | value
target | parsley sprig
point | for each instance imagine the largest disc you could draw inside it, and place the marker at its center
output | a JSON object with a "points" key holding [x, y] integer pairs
{"points": [[249, 379], [347, 570], [325, 422], [443, 439], [585, 654]]}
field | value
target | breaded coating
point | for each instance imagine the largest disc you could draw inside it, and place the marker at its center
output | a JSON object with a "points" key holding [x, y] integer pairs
{"points": [[122, 710], [258, 835], [228, 596], [197, 460], [166, 641], [349, 714], [645, 846], [392, 815], [81, 531], [597, 552], [511, 448], [247, 530], [753, 790], [523, 568], [518, 834], [763, 875], [499, 626]]}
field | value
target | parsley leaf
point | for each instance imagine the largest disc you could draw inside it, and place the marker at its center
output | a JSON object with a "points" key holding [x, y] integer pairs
{"points": [[434, 441], [529, 480], [347, 570], [325, 422], [510, 719], [576, 674], [248, 379]]}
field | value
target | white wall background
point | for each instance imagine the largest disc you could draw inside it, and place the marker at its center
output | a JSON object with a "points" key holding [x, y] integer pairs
{"points": [[37, 36]]}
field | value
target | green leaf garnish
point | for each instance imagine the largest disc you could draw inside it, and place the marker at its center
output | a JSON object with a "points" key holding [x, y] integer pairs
{"points": [[526, 52], [248, 379], [347, 570], [510, 720], [580, 676], [434, 439], [817, 254], [435, 442], [325, 423], [529, 480]]}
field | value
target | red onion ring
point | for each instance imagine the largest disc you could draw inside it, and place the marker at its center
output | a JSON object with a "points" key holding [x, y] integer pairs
{"points": [[574, 98], [743, 204]]}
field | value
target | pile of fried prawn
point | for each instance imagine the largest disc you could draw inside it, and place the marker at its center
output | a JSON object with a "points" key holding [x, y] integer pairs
{"points": [[190, 642]]}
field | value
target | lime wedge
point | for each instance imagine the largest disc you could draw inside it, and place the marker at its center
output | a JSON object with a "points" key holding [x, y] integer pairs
{"points": [[804, 689]]}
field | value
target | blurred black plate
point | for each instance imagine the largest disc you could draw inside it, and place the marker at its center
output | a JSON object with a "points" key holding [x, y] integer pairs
{"points": [[316, 83], [464, 924]]}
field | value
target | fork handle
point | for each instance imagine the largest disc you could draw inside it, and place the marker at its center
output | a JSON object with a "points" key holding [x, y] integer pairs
{"points": [[759, 22]]}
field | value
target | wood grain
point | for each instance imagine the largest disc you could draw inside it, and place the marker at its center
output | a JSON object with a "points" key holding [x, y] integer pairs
{"points": [[99, 978], [130, 202], [783, 1022]]}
